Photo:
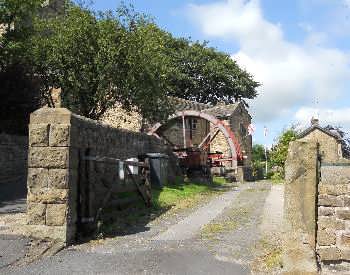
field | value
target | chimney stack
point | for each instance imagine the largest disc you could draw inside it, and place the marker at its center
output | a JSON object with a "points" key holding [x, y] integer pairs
{"points": [[315, 121]]}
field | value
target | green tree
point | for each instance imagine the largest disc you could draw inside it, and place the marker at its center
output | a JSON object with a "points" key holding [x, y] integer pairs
{"points": [[279, 152], [97, 60], [18, 90], [258, 161], [207, 75], [258, 152]]}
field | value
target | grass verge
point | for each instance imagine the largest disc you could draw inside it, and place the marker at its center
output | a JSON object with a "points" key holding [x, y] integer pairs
{"points": [[173, 197]]}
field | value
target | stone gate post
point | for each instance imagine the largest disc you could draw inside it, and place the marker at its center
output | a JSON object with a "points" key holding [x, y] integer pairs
{"points": [[52, 175]]}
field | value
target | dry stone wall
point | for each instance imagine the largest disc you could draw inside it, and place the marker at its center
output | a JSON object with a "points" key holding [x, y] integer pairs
{"points": [[56, 185], [333, 234], [317, 210], [13, 159]]}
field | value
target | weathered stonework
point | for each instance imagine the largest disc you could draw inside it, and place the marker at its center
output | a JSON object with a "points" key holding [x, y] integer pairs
{"points": [[328, 191], [300, 210], [58, 141], [333, 232]]}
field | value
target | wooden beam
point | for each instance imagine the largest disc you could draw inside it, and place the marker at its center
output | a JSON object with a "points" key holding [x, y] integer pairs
{"points": [[184, 130]]}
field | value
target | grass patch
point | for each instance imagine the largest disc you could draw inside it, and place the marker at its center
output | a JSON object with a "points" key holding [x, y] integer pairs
{"points": [[185, 195], [236, 217], [270, 255], [210, 231], [175, 196]]}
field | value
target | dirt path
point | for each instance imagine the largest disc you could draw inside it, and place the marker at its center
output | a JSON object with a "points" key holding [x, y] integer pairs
{"points": [[228, 240], [192, 224]]}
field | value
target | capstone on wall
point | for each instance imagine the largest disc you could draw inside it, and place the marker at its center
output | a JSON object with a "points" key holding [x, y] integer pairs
{"points": [[57, 178]]}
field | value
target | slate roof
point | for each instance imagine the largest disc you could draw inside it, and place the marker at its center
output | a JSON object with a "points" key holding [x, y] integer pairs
{"points": [[180, 104], [222, 111], [314, 127], [219, 111]]}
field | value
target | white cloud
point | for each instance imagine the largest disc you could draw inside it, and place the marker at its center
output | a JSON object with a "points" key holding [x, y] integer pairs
{"points": [[335, 117], [292, 74]]}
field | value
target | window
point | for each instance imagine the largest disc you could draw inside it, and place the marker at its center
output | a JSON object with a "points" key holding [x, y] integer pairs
{"points": [[243, 130], [194, 123]]}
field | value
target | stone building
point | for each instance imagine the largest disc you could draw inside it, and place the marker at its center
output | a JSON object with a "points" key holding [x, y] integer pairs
{"points": [[330, 143], [234, 115]]}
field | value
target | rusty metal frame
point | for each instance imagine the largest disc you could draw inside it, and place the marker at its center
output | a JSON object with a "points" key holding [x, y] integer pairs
{"points": [[235, 149]]}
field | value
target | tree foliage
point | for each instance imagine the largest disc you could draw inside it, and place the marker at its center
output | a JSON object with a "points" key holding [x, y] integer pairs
{"points": [[258, 161], [345, 140], [99, 59], [258, 152], [278, 154]]}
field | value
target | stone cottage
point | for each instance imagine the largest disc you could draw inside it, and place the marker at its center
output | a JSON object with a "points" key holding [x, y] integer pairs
{"points": [[235, 116], [330, 142]]}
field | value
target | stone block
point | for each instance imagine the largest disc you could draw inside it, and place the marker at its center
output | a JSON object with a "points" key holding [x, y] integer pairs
{"points": [[330, 223], [333, 189], [48, 196], [48, 157], [343, 214], [56, 214], [326, 237], [59, 135], [329, 253], [345, 239], [335, 174], [326, 211], [36, 213], [58, 178], [346, 201], [328, 200], [37, 178], [51, 116], [39, 135], [345, 254]]}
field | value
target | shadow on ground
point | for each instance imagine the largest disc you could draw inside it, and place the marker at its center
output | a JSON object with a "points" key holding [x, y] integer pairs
{"points": [[136, 217], [13, 196]]}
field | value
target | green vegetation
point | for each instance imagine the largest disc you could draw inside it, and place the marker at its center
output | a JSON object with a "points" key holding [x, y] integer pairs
{"points": [[236, 217], [276, 157], [185, 195], [271, 255], [279, 152], [99, 59], [258, 161], [174, 197]]}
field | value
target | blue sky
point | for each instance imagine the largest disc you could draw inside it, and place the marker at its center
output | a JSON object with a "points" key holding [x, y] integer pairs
{"points": [[298, 49]]}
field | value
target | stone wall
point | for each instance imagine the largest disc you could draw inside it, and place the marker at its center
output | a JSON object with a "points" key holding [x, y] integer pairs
{"points": [[239, 120], [118, 117], [317, 210], [333, 233], [13, 165], [194, 136], [220, 143], [58, 141]]}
